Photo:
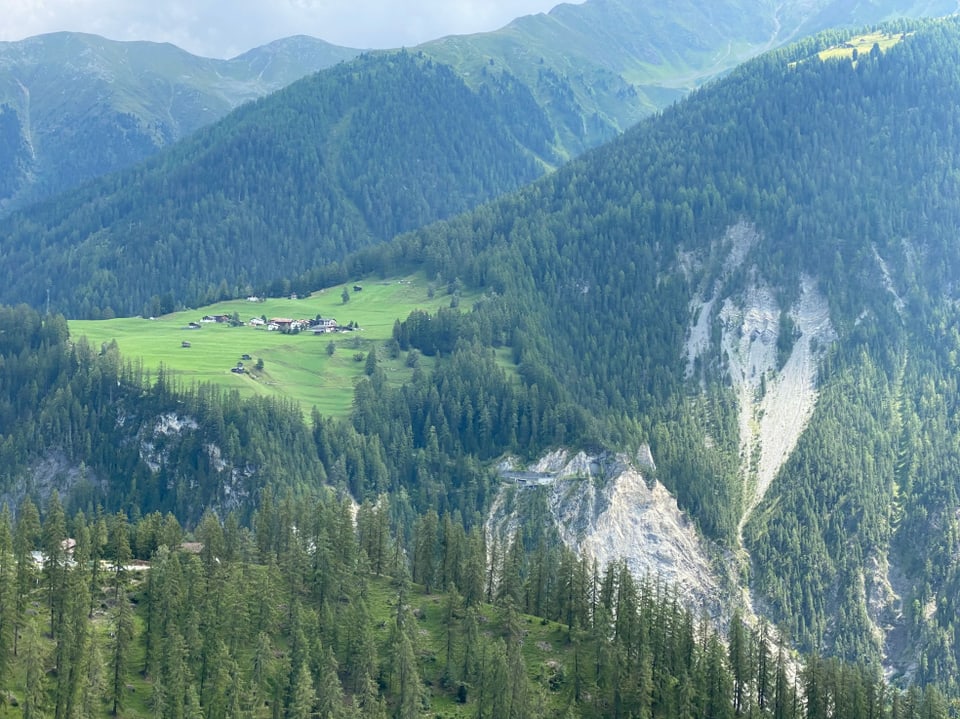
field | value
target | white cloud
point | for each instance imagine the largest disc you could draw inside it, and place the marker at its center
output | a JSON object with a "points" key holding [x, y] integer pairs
{"points": [[223, 28]]}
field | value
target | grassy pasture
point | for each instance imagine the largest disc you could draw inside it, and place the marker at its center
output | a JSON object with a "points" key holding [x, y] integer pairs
{"points": [[862, 44], [296, 366]]}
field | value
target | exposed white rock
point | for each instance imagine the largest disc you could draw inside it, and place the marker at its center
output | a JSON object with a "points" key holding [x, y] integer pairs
{"points": [[216, 456], [150, 456], [698, 340], [52, 471], [740, 239], [774, 406], [888, 281], [173, 423], [152, 448], [604, 508]]}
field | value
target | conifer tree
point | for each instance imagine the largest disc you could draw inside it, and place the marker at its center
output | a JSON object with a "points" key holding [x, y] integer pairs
{"points": [[453, 541], [519, 690], [119, 532], [7, 595], [510, 582], [303, 695], [328, 689], [73, 638], [425, 550], [737, 652], [360, 652], [451, 607], [370, 702], [763, 664], [53, 538], [492, 699], [93, 681], [98, 540], [262, 672], [784, 695], [122, 644], [405, 676], [238, 698], [34, 663], [25, 537], [473, 572], [215, 680]]}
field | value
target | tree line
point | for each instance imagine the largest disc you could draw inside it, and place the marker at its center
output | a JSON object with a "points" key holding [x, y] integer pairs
{"points": [[322, 608]]}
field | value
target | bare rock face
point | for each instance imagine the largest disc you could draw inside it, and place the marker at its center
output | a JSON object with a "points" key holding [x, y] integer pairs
{"points": [[610, 508], [604, 507], [776, 393], [735, 332], [53, 471], [159, 442]]}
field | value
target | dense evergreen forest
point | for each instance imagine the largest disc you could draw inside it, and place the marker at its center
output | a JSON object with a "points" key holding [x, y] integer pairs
{"points": [[334, 162], [837, 163], [319, 610], [588, 278]]}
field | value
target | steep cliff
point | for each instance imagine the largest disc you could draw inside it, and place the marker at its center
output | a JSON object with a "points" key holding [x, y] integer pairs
{"points": [[609, 508]]}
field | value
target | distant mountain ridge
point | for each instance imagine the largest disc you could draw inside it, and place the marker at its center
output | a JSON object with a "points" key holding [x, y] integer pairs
{"points": [[75, 106], [297, 180], [601, 66]]}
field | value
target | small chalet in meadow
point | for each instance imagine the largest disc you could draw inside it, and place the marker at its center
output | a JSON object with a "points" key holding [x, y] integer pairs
{"points": [[322, 326], [282, 323], [256, 322]]}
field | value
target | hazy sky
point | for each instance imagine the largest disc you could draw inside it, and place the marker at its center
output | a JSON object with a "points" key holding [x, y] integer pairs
{"points": [[225, 28]]}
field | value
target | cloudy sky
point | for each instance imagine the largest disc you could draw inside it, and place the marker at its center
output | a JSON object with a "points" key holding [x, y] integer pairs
{"points": [[224, 28]]}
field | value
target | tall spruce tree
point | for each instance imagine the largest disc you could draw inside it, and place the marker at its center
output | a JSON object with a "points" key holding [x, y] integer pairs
{"points": [[53, 540], [25, 538], [123, 636], [8, 585]]}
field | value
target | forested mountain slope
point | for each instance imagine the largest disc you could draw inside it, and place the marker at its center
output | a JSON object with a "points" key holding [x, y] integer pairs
{"points": [[809, 201], [75, 106], [310, 612], [334, 162], [844, 169], [288, 597], [599, 66]]}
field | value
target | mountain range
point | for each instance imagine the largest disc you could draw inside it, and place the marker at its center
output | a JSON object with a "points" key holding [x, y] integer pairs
{"points": [[294, 181], [760, 283], [76, 106], [754, 291], [354, 173]]}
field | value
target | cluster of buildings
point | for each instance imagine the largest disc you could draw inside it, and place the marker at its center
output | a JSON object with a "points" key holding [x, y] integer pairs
{"points": [[317, 325]]}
